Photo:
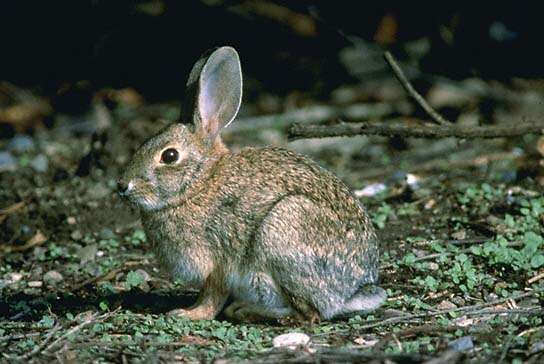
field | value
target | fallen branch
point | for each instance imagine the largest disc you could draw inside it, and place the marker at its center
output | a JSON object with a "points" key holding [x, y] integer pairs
{"points": [[433, 114], [297, 131], [38, 348], [535, 278], [92, 318], [38, 239]]}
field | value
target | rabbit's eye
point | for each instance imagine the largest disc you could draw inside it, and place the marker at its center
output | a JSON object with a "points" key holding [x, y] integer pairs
{"points": [[169, 156]]}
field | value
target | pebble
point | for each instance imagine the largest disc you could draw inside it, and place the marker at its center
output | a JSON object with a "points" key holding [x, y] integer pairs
{"points": [[446, 305], [291, 340], [7, 162], [35, 284], [464, 343], [364, 342], [71, 220], [87, 253], [40, 163], [14, 277], [459, 301], [106, 233], [21, 143], [144, 274], [52, 277], [370, 190], [76, 235], [98, 191]]}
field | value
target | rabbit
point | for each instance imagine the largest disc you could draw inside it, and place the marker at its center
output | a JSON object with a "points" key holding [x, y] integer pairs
{"points": [[267, 227]]}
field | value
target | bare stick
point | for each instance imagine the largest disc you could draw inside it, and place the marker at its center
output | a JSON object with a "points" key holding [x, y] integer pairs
{"points": [[93, 318], [535, 278], [435, 116], [38, 348], [297, 131]]}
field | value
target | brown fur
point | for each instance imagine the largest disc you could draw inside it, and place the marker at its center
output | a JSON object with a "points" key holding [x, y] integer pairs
{"points": [[270, 227]]}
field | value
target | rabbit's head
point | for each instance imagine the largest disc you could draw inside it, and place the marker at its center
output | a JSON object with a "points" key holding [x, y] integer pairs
{"points": [[168, 163]]}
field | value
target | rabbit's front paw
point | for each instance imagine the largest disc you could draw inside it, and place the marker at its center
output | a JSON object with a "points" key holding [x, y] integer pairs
{"points": [[197, 313]]}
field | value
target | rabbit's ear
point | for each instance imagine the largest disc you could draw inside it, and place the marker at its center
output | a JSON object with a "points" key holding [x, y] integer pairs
{"points": [[214, 91]]}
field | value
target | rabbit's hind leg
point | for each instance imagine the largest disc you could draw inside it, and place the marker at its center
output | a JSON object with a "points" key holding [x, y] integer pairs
{"points": [[302, 245], [251, 313]]}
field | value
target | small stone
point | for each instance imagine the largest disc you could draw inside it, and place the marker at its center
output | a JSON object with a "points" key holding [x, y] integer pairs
{"points": [[98, 191], [106, 234], [459, 301], [391, 312], [87, 253], [35, 284], [7, 162], [21, 143], [144, 274], [463, 321], [14, 277], [492, 297], [364, 342], [144, 287], [446, 305], [52, 277], [291, 340], [540, 146], [39, 163], [429, 204], [464, 343], [71, 220], [76, 235], [370, 190], [459, 235], [536, 347], [433, 266]]}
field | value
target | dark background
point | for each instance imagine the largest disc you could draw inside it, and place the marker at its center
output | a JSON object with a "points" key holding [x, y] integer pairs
{"points": [[285, 45]]}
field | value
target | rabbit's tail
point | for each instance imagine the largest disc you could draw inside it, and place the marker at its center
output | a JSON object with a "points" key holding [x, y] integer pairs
{"points": [[366, 299]]}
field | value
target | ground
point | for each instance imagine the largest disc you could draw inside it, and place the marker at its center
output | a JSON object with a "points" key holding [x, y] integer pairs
{"points": [[460, 222]]}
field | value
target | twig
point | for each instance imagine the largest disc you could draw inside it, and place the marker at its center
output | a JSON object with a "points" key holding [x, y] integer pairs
{"points": [[412, 91], [12, 208], [38, 239], [91, 319], [506, 347], [38, 348], [472, 241], [535, 278], [19, 336], [297, 131]]}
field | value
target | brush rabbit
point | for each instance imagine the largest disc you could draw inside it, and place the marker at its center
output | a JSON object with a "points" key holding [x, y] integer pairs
{"points": [[266, 226]]}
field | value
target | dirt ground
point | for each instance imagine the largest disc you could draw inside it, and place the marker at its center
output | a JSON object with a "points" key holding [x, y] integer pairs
{"points": [[461, 224]]}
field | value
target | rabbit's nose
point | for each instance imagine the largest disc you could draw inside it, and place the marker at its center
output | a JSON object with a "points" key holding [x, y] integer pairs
{"points": [[122, 188]]}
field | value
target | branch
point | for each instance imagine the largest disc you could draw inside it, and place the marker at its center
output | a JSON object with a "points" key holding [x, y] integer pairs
{"points": [[297, 131], [435, 116]]}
